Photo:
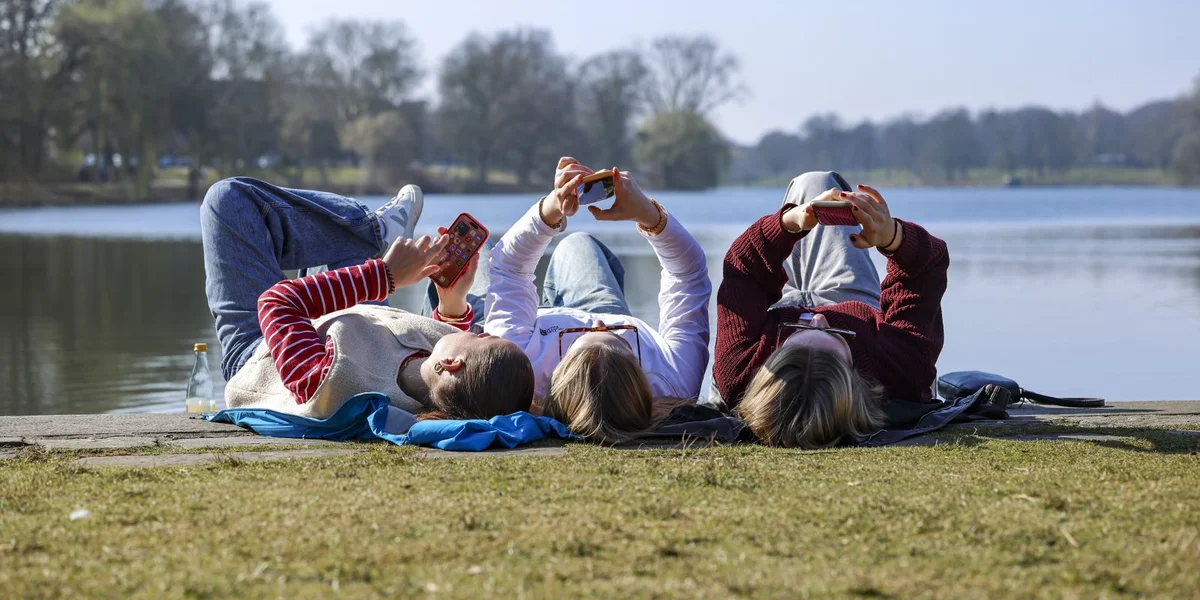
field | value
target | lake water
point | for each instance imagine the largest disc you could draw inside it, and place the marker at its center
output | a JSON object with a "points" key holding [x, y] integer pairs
{"points": [[1069, 291]]}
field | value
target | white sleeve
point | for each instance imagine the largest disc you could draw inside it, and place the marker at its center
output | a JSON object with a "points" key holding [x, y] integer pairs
{"points": [[683, 298], [512, 300]]}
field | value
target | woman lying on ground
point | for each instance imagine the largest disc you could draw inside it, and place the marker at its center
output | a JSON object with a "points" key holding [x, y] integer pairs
{"points": [[605, 374], [807, 367], [307, 345]]}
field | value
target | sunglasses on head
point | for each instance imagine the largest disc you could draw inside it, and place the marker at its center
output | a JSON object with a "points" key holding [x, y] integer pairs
{"points": [[563, 332], [787, 329]]}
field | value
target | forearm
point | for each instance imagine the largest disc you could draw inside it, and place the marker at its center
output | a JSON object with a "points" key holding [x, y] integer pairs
{"points": [[512, 299]]}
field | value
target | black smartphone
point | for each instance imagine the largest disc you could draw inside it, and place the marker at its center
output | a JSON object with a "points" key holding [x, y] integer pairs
{"points": [[596, 187]]}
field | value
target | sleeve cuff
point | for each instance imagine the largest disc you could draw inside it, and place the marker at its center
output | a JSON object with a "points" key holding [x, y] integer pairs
{"points": [[774, 231], [909, 247]]}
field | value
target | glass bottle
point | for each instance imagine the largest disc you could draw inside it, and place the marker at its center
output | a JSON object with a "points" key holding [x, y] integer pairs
{"points": [[200, 386]]}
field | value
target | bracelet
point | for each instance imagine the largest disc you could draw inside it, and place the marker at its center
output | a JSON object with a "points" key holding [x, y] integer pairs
{"points": [[662, 221], [554, 226], [446, 317], [895, 234]]}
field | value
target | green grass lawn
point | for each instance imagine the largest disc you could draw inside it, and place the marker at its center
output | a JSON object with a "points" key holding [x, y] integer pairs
{"points": [[975, 518]]}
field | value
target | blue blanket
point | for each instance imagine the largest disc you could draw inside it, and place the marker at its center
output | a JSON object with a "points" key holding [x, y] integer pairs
{"points": [[369, 416]]}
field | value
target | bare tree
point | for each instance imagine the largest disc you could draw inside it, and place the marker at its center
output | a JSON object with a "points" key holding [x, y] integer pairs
{"points": [[691, 74], [365, 67], [507, 98], [611, 88]]}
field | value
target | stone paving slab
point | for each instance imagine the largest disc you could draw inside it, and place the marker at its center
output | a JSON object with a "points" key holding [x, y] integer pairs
{"points": [[104, 443], [185, 460], [46, 426], [926, 440], [8, 454], [108, 431], [237, 441]]}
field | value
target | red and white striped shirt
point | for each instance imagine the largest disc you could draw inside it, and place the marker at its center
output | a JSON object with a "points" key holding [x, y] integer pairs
{"points": [[286, 311]]}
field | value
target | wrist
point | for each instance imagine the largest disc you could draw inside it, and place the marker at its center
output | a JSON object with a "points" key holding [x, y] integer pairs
{"points": [[791, 219], [651, 217], [659, 221], [897, 237], [550, 212], [453, 308]]}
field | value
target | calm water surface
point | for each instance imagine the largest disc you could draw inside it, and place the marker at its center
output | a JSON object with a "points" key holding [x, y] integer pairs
{"points": [[1069, 291]]}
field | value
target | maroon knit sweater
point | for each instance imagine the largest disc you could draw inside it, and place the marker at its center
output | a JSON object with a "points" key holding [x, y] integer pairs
{"points": [[897, 345]]}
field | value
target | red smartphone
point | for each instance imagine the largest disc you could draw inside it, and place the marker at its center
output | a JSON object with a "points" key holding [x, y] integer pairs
{"points": [[834, 212], [467, 236]]}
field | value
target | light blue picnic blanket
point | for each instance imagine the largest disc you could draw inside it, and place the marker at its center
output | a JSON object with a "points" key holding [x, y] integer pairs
{"points": [[369, 416]]}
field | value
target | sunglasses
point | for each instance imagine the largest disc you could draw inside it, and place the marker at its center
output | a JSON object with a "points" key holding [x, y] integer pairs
{"points": [[787, 329], [563, 333]]}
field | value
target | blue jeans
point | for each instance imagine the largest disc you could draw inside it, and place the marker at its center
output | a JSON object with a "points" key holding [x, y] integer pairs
{"points": [[252, 231], [583, 274], [586, 275]]}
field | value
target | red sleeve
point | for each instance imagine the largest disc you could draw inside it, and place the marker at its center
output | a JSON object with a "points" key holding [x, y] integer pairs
{"points": [[753, 280], [286, 311], [915, 282], [910, 330]]}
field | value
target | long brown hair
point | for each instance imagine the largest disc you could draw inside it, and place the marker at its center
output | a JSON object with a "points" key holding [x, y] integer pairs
{"points": [[495, 380], [809, 398], [602, 393]]}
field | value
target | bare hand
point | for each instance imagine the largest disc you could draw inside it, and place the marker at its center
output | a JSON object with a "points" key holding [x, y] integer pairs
{"points": [[878, 226], [804, 219], [564, 200], [453, 300], [410, 261], [631, 203]]}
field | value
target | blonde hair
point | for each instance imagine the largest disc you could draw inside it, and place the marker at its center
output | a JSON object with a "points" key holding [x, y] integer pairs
{"points": [[807, 398], [602, 393], [474, 393]]}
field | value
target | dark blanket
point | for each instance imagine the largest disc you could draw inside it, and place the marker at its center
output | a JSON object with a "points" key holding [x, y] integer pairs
{"points": [[902, 420]]}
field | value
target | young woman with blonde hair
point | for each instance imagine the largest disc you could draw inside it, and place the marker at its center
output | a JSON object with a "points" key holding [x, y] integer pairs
{"points": [[607, 375], [809, 343]]}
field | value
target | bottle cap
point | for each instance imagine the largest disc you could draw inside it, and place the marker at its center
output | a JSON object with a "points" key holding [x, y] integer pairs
{"points": [[200, 348]]}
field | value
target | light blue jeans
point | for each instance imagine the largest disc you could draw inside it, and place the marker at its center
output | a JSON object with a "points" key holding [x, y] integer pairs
{"points": [[252, 231]]}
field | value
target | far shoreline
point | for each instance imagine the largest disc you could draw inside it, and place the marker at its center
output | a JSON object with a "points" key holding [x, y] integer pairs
{"points": [[34, 195]]}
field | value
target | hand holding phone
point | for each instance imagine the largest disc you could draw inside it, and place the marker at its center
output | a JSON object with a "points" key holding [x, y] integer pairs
{"points": [[466, 236]]}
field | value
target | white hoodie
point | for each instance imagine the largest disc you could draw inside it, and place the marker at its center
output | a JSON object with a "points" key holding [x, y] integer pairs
{"points": [[674, 359]]}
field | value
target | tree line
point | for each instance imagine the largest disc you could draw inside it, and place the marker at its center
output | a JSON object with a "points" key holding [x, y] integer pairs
{"points": [[213, 83], [1162, 135], [134, 85]]}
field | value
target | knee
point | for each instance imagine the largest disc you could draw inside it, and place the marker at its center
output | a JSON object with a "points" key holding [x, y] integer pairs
{"points": [[575, 243], [225, 194], [220, 195], [577, 239]]}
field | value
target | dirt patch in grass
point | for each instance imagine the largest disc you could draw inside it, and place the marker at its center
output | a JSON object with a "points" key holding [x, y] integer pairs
{"points": [[972, 517]]}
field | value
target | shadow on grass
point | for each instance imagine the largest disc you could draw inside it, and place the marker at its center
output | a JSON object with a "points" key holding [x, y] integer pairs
{"points": [[1159, 441]]}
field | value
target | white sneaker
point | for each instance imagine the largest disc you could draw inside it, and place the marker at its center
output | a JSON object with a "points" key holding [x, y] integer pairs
{"points": [[398, 218]]}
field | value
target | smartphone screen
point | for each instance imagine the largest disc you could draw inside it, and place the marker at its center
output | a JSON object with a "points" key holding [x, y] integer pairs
{"points": [[467, 236], [591, 192]]}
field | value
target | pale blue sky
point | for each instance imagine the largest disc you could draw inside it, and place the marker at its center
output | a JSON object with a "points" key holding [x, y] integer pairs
{"points": [[859, 59]]}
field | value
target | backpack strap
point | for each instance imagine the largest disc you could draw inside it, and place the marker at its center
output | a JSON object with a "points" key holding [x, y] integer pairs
{"points": [[1068, 402]]}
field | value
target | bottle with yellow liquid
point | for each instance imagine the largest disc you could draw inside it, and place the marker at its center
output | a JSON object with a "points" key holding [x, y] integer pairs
{"points": [[200, 386]]}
